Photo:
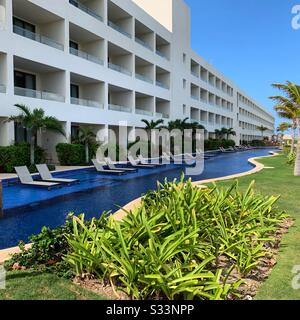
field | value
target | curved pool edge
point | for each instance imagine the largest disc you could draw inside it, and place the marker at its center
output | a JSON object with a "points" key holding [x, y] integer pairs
{"points": [[120, 214]]}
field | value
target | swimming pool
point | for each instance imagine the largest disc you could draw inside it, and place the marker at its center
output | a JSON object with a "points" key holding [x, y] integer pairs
{"points": [[27, 210]]}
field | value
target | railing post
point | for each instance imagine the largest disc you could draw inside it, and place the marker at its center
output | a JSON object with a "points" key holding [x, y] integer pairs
{"points": [[1, 200]]}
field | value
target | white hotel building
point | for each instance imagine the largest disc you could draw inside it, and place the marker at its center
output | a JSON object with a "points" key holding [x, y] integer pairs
{"points": [[97, 62]]}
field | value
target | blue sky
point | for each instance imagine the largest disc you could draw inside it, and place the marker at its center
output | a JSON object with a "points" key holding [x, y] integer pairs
{"points": [[251, 41]]}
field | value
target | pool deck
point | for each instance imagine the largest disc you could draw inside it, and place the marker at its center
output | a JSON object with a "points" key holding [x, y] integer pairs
{"points": [[120, 214]]}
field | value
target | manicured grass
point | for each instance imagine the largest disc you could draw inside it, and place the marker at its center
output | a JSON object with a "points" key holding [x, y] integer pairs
{"points": [[280, 181], [27, 285]]}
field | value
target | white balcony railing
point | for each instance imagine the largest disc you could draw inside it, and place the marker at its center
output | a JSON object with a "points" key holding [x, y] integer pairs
{"points": [[37, 37], [119, 69], [143, 78], [114, 107], [194, 97], [86, 56], [143, 43], [119, 29], [162, 85], [44, 95], [143, 112], [87, 103], [195, 74], [85, 9], [2, 88]]}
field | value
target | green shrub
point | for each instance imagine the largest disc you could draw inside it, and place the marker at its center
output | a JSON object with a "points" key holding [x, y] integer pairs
{"points": [[258, 143], [70, 154], [170, 246], [18, 155], [291, 158], [215, 144]]}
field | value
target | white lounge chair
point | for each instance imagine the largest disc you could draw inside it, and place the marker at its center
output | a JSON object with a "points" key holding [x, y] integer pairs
{"points": [[111, 166], [26, 179], [146, 162], [137, 164], [47, 176], [100, 168]]}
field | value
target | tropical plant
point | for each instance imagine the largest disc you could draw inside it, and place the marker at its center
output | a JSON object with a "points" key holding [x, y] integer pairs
{"points": [[283, 127], [182, 242], [220, 134], [289, 106], [35, 121], [262, 129], [152, 125], [86, 137], [230, 132]]}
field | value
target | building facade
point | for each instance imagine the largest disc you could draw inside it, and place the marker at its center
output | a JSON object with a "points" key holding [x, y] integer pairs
{"points": [[97, 63]]}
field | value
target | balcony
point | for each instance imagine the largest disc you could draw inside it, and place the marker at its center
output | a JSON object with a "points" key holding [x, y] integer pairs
{"points": [[38, 38], [35, 23], [86, 9], [195, 69], [114, 107], [44, 95], [38, 81], [163, 48], [86, 56], [120, 99], [144, 70], [120, 60], [119, 20], [144, 36], [162, 78], [120, 69], [144, 104], [142, 112], [143, 78], [87, 103], [87, 92], [162, 108]]}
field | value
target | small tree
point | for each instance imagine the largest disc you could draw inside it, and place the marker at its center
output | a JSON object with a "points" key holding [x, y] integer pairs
{"points": [[34, 121], [86, 137]]}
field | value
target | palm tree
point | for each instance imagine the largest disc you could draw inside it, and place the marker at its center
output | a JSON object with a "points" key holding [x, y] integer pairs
{"points": [[221, 133], [86, 137], [291, 99], [152, 125], [288, 111], [262, 129], [230, 132], [283, 127], [34, 121]]}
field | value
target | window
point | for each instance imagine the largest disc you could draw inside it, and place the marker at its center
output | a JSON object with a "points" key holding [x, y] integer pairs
{"points": [[74, 91], [21, 134], [74, 132], [184, 58], [25, 80], [184, 109], [24, 28], [184, 83], [74, 45]]}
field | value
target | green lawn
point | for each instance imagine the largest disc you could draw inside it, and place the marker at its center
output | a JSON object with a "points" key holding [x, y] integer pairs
{"points": [[35, 286], [280, 181]]}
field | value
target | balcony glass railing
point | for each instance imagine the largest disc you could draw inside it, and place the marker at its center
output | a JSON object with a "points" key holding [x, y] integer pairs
{"points": [[37, 37], [119, 69], [119, 29], [85, 9], [114, 107], [86, 56], [203, 78], [162, 55], [87, 103], [44, 95], [161, 115], [143, 78], [2, 88], [195, 97], [143, 112], [162, 85], [195, 74], [143, 43]]}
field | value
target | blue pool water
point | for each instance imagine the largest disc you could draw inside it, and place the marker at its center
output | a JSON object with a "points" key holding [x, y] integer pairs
{"points": [[27, 210]]}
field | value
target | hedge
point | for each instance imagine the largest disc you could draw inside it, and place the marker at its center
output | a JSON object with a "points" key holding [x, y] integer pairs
{"points": [[70, 154], [18, 155], [215, 144]]}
